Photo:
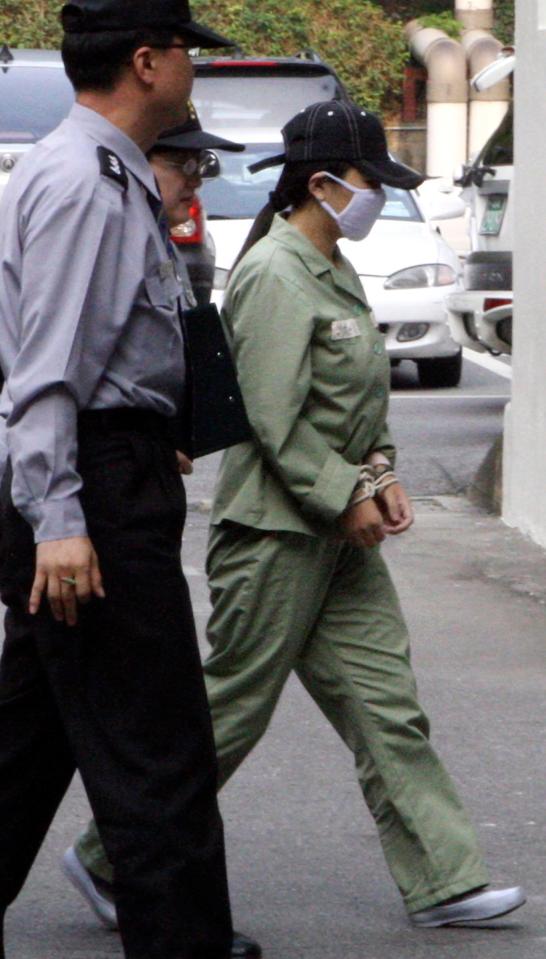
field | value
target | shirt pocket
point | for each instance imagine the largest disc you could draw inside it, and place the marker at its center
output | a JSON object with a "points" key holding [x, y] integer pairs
{"points": [[163, 287], [349, 353]]}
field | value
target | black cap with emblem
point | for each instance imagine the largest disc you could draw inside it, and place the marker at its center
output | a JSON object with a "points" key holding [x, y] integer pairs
{"points": [[96, 16]]}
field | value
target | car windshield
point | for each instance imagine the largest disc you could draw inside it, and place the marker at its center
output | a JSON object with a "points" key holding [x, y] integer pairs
{"points": [[250, 101], [238, 194], [33, 101]]}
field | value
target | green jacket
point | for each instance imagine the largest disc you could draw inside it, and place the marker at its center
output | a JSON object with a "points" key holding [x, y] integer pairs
{"points": [[314, 376]]}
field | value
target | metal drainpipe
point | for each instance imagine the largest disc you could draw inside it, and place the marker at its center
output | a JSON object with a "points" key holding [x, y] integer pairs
{"points": [[475, 14], [447, 96], [486, 109]]}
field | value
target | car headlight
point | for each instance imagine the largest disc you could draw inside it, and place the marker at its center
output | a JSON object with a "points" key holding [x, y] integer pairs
{"points": [[220, 278], [430, 274]]}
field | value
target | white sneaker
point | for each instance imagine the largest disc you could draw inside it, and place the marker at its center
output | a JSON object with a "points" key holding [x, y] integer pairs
{"points": [[474, 907], [93, 889]]}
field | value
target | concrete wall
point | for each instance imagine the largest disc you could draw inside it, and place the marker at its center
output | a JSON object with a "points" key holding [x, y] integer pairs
{"points": [[524, 501]]}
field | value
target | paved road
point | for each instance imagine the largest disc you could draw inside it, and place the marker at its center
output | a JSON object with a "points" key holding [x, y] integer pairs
{"points": [[307, 874], [442, 435]]}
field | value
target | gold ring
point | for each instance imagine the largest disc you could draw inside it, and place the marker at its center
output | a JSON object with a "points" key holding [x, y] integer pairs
{"points": [[69, 580]]}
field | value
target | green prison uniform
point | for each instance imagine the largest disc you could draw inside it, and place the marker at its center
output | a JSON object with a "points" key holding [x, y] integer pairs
{"points": [[286, 594]]}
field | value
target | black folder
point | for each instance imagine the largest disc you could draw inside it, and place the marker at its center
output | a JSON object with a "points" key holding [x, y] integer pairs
{"points": [[215, 415]]}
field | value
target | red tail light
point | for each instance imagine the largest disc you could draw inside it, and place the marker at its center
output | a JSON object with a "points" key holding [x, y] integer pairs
{"points": [[193, 230], [492, 302]]}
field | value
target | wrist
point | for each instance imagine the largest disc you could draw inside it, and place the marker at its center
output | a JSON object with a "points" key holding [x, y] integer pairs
{"points": [[365, 486], [378, 458], [384, 477], [373, 480]]}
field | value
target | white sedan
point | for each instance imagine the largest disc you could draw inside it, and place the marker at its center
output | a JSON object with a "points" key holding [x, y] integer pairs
{"points": [[406, 267]]}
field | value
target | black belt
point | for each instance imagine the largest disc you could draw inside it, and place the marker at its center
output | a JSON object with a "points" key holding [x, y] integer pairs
{"points": [[125, 418]]}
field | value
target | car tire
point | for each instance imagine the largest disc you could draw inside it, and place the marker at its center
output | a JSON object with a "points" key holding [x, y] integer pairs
{"points": [[444, 371]]}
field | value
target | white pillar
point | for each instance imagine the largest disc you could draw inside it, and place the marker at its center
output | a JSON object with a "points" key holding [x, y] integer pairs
{"points": [[447, 96], [484, 118], [524, 499], [446, 138]]}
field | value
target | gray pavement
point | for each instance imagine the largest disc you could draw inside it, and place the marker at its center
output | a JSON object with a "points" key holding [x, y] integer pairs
{"points": [[443, 435], [307, 873]]}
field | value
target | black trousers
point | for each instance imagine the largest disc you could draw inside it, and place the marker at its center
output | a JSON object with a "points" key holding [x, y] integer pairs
{"points": [[122, 698]]}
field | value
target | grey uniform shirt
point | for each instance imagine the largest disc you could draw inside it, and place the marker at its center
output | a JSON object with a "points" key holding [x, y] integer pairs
{"points": [[89, 302]]}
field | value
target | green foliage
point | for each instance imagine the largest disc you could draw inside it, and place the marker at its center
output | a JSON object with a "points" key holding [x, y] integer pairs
{"points": [[357, 37], [30, 23], [504, 21], [443, 21], [365, 47]]}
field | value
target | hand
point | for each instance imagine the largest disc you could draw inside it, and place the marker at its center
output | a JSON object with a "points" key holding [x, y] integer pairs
{"points": [[185, 465], [396, 508], [72, 558], [362, 525]]}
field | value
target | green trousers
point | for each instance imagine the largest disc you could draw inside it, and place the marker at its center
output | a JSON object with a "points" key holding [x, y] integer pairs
{"points": [[286, 601]]}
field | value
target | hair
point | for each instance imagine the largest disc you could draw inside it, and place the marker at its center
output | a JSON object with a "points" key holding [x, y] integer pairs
{"points": [[95, 61], [292, 190]]}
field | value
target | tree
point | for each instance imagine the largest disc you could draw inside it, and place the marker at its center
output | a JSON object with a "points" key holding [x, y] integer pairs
{"points": [[30, 23], [356, 37], [362, 40]]}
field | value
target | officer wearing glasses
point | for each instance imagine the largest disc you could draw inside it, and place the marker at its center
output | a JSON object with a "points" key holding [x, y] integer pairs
{"points": [[181, 159]]}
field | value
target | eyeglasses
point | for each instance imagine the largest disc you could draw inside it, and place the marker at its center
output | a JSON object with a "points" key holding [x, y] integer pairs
{"points": [[205, 165]]}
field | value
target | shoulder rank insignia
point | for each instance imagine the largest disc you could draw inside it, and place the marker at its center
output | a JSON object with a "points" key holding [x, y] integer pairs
{"points": [[111, 166]]}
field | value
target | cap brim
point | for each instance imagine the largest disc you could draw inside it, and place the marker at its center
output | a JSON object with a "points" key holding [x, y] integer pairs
{"points": [[392, 173], [199, 140], [388, 171], [267, 162], [202, 36]]}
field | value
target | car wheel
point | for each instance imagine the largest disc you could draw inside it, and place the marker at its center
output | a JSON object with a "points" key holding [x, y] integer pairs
{"points": [[445, 371]]}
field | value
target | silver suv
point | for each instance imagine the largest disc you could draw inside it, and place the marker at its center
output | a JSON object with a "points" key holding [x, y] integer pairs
{"points": [[258, 95]]}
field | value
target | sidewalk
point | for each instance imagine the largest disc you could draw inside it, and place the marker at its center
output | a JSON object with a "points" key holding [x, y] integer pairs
{"points": [[307, 874]]}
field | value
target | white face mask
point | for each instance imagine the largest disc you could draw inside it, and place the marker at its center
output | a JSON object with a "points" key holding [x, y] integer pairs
{"points": [[357, 218]]}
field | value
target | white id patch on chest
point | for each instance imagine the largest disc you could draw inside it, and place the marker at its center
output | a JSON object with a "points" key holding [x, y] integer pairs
{"points": [[345, 329]]}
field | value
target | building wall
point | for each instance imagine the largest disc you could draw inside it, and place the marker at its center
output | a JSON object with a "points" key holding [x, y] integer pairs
{"points": [[524, 500]]}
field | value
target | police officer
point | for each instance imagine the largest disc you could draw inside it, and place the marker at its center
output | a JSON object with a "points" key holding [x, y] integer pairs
{"points": [[100, 667], [180, 159], [183, 157]]}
